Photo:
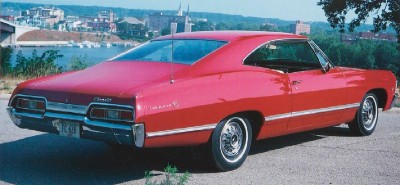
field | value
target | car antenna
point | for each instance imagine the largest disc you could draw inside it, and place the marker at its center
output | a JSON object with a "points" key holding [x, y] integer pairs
{"points": [[172, 54]]}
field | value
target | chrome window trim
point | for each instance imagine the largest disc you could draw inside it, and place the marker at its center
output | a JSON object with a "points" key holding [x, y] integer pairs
{"points": [[181, 130], [268, 42], [311, 111], [219, 40], [316, 49]]}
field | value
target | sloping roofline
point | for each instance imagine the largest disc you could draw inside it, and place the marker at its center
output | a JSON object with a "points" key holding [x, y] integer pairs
{"points": [[227, 35]]}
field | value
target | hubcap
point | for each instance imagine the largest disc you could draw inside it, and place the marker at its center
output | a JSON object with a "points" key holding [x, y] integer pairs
{"points": [[231, 139], [369, 112]]}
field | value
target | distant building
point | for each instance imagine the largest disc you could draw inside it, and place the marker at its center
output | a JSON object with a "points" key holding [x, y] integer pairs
{"points": [[104, 22], [131, 26], [349, 38], [300, 28], [159, 21], [104, 16], [44, 12], [377, 36], [43, 17], [8, 18], [99, 26]]}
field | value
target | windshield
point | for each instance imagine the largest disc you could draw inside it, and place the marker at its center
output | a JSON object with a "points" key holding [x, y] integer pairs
{"points": [[185, 51]]}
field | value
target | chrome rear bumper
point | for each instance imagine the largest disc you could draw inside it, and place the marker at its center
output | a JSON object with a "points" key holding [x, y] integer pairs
{"points": [[96, 130]]}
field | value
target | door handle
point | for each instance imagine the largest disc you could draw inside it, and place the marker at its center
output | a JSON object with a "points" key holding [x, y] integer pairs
{"points": [[296, 82]]}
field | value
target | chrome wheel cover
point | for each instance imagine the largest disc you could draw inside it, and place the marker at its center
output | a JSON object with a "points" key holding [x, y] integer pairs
{"points": [[369, 112], [233, 139]]}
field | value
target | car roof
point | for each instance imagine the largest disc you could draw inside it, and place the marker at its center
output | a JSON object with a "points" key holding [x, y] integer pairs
{"points": [[228, 35]]}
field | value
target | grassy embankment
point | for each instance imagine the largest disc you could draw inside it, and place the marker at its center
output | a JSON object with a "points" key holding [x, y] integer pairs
{"points": [[8, 84]]}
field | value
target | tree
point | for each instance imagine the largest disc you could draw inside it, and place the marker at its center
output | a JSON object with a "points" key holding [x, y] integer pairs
{"points": [[5, 56], [387, 12], [36, 66], [203, 26], [166, 31], [79, 62]]}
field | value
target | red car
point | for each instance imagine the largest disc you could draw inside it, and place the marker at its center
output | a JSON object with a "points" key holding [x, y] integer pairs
{"points": [[224, 89]]}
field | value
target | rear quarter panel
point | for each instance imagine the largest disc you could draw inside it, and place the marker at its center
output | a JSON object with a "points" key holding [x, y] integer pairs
{"points": [[207, 100], [360, 82]]}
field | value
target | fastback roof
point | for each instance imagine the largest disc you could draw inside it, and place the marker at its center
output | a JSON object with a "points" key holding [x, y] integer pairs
{"points": [[227, 35]]}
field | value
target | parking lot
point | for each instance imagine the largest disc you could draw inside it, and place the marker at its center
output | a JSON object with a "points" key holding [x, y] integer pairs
{"points": [[326, 156]]}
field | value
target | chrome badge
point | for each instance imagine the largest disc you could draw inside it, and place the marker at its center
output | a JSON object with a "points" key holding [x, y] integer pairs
{"points": [[105, 100]]}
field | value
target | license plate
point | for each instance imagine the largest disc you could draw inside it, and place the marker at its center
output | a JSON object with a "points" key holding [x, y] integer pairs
{"points": [[69, 129]]}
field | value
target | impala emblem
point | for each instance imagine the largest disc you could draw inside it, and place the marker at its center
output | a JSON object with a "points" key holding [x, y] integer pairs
{"points": [[173, 104], [106, 100]]}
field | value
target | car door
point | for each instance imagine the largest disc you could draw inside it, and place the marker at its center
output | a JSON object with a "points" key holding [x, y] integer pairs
{"points": [[318, 92]]}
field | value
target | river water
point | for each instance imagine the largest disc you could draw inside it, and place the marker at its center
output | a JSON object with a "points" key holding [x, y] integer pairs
{"points": [[94, 55]]}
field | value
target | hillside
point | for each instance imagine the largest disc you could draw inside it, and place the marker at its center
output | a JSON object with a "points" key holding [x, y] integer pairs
{"points": [[48, 35]]}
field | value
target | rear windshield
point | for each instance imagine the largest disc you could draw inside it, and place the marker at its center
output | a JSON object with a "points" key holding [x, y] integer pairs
{"points": [[185, 51]]}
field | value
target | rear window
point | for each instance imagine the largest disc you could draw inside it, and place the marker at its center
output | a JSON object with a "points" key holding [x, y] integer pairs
{"points": [[185, 51]]}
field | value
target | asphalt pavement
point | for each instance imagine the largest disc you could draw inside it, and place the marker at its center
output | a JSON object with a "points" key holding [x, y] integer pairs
{"points": [[326, 156]]}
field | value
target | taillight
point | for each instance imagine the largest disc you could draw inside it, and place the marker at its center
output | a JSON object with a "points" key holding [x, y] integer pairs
{"points": [[37, 105], [111, 114]]}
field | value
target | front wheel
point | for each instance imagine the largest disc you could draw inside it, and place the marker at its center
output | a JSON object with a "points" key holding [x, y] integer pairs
{"points": [[231, 141], [367, 116]]}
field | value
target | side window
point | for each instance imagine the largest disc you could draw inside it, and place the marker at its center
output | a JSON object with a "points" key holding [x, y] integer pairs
{"points": [[287, 56], [321, 59]]}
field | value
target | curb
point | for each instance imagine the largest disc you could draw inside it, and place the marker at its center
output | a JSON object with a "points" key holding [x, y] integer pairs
{"points": [[5, 96]]}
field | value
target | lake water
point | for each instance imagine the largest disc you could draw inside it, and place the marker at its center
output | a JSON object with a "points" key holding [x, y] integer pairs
{"points": [[94, 55]]}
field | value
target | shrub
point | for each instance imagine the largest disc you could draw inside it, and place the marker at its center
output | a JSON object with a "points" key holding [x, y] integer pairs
{"points": [[79, 63], [36, 66], [5, 56], [171, 178]]}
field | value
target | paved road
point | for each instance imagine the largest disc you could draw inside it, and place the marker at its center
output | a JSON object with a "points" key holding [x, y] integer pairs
{"points": [[327, 156]]}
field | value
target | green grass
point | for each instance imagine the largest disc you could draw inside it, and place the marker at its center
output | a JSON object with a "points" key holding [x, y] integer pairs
{"points": [[8, 84], [170, 177]]}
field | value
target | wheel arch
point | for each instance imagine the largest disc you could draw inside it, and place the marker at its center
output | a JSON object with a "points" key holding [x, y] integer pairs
{"points": [[255, 118], [382, 96]]}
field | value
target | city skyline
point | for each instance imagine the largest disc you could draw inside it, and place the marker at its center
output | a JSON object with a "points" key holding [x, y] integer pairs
{"points": [[305, 10]]}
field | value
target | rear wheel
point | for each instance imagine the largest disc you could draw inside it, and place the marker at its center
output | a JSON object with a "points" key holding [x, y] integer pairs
{"points": [[367, 116], [231, 141]]}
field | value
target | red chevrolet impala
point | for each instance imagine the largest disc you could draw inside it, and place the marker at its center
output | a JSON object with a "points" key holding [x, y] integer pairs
{"points": [[223, 89]]}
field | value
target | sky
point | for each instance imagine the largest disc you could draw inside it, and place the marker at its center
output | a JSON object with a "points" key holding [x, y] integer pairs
{"points": [[305, 10]]}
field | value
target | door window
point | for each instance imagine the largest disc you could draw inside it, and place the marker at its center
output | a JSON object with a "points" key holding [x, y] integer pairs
{"points": [[287, 56]]}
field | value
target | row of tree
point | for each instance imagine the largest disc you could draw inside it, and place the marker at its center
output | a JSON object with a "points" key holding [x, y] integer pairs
{"points": [[366, 54], [37, 65]]}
